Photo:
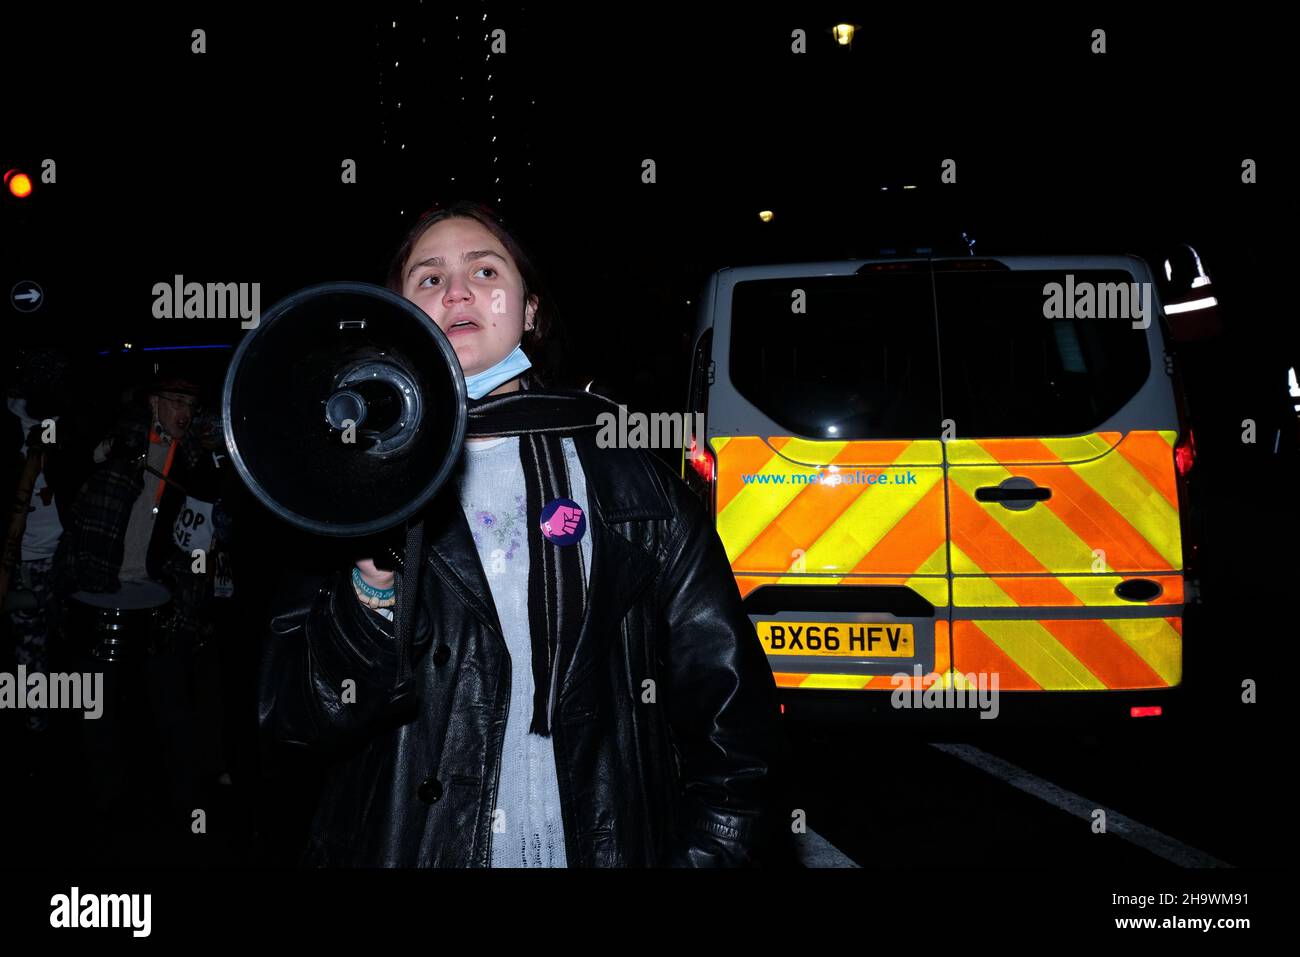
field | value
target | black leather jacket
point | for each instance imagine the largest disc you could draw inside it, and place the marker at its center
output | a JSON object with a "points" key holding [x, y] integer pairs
{"points": [[683, 780]]}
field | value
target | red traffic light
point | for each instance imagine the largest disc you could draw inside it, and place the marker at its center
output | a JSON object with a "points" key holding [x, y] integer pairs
{"points": [[19, 183]]}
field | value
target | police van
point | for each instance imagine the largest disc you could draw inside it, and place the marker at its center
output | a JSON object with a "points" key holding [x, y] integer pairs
{"points": [[945, 471]]}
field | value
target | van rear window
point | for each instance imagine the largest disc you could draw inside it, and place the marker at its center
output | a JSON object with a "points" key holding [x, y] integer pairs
{"points": [[1008, 370], [858, 362]]}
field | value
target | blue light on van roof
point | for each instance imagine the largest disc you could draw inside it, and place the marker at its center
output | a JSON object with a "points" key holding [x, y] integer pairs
{"points": [[219, 345]]}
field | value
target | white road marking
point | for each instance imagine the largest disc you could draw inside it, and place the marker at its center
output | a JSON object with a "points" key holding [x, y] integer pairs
{"points": [[815, 851], [1162, 845]]}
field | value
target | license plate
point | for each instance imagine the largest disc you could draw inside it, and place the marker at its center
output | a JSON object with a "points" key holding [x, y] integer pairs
{"points": [[858, 639]]}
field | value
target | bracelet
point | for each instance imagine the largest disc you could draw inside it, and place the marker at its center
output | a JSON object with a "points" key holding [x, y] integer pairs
{"points": [[369, 594]]}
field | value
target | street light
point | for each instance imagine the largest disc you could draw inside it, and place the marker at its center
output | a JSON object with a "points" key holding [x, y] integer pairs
{"points": [[19, 183]]}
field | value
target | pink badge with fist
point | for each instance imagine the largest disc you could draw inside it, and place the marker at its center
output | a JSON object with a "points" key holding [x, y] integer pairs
{"points": [[563, 522]]}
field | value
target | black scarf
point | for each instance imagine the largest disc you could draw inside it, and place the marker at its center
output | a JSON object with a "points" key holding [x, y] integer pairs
{"points": [[557, 591]]}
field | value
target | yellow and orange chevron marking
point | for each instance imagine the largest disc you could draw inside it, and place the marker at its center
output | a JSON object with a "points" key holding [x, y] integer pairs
{"points": [[1072, 655], [1064, 591], [826, 529], [1112, 515], [1108, 494], [933, 588]]}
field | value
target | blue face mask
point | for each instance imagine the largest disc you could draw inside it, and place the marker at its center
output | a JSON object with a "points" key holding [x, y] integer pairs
{"points": [[481, 383]]}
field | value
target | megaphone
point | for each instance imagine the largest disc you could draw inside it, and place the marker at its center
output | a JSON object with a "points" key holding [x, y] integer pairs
{"points": [[344, 410]]}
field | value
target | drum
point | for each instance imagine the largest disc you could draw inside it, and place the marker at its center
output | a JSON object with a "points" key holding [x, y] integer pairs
{"points": [[129, 624]]}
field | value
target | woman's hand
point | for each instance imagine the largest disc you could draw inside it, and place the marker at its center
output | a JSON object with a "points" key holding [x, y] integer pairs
{"points": [[375, 577]]}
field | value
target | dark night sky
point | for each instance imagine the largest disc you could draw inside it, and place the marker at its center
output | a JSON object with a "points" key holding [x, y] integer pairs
{"points": [[226, 166]]}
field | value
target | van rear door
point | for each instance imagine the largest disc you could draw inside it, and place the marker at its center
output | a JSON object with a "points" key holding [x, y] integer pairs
{"points": [[824, 421], [1063, 518]]}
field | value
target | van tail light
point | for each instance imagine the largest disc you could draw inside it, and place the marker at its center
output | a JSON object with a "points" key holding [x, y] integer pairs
{"points": [[702, 472], [698, 466], [1145, 711], [1184, 459], [1185, 454], [702, 462]]}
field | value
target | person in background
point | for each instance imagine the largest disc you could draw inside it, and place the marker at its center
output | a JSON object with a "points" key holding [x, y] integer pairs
{"points": [[39, 480], [146, 515]]}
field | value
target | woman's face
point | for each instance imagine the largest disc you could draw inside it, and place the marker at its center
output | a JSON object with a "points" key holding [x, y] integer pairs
{"points": [[463, 277]]}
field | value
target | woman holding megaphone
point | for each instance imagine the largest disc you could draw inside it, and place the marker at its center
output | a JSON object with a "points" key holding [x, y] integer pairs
{"points": [[582, 687]]}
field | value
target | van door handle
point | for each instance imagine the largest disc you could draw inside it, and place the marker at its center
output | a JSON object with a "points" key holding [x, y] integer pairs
{"points": [[1014, 493]]}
